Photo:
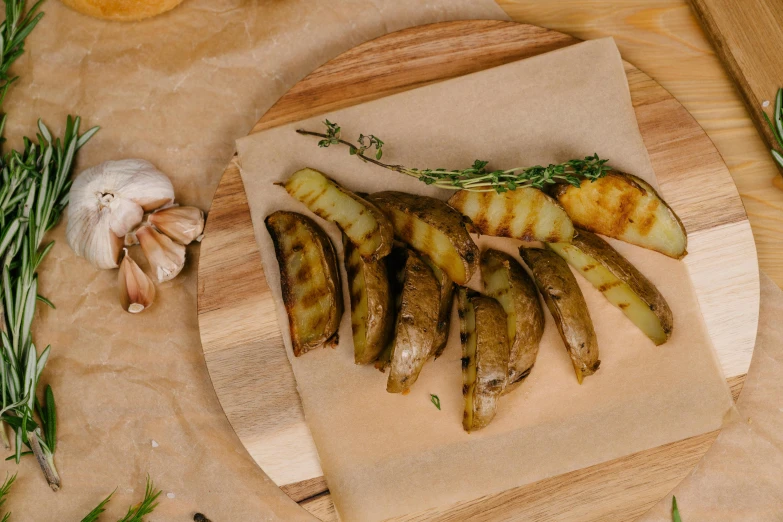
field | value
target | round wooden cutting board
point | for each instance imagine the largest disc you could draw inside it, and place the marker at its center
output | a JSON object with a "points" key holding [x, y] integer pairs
{"points": [[242, 342]]}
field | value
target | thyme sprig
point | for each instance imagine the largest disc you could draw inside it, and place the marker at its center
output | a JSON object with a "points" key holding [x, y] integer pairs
{"points": [[476, 178], [777, 126]]}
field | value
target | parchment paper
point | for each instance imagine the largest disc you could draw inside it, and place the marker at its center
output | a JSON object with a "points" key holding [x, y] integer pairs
{"points": [[385, 454], [176, 90], [740, 476]]}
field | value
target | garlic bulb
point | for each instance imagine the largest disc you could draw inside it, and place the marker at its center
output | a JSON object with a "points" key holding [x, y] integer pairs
{"points": [[166, 257], [137, 292], [108, 201], [182, 224]]}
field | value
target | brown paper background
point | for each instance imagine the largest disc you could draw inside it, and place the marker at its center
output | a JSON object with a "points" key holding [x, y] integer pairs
{"points": [[176, 90], [399, 451]]}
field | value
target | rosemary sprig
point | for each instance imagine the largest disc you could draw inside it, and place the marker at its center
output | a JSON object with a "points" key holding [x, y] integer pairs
{"points": [[17, 25], [4, 489], [777, 126], [145, 507], [476, 178], [35, 185], [675, 510], [136, 513]]}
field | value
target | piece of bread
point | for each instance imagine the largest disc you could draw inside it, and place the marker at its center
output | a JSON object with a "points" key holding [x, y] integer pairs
{"points": [[122, 10]]}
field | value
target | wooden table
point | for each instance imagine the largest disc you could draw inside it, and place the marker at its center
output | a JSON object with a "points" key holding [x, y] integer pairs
{"points": [[664, 39]]}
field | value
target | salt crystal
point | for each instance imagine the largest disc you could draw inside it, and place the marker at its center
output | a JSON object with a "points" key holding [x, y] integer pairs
{"points": [[170, 495], [765, 103], [155, 443]]}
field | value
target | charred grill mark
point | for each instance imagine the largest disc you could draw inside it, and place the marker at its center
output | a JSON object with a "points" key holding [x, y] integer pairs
{"points": [[623, 306], [504, 226], [463, 336], [606, 286], [536, 203], [646, 224], [311, 299], [481, 221], [309, 199], [628, 201], [589, 267]]}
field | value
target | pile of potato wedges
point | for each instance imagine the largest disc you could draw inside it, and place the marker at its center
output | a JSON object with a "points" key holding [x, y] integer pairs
{"points": [[407, 256]]}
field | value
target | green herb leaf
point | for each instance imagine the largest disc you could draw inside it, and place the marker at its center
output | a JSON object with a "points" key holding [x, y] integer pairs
{"points": [[145, 507], [675, 511], [93, 515], [435, 400]]}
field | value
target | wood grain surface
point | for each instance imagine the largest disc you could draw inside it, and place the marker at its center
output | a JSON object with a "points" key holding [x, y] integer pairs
{"points": [[748, 37], [242, 342], [664, 39]]}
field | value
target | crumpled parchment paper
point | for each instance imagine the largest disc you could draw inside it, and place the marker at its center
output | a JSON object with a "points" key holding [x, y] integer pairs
{"points": [[133, 394]]}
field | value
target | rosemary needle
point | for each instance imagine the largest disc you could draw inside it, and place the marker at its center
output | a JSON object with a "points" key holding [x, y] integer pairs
{"points": [[475, 178]]}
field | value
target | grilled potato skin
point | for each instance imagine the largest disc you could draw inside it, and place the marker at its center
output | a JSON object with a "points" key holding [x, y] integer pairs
{"points": [[366, 226], [433, 228], [621, 283], [525, 213], [506, 281], [372, 312], [567, 305], [484, 358], [416, 324], [446, 296], [625, 207], [310, 280]]}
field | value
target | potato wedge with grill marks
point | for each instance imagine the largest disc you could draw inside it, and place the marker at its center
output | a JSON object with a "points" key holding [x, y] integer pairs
{"points": [[625, 207], [372, 312], [365, 225], [525, 213], [506, 281], [309, 278], [446, 296], [567, 305], [417, 320], [433, 228], [484, 357], [620, 282]]}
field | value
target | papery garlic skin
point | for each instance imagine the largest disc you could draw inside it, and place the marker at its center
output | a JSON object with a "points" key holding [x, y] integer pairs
{"points": [[108, 201], [137, 291], [182, 224], [166, 257]]}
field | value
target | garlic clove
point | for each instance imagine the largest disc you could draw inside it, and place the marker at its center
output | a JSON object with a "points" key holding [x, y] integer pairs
{"points": [[125, 215], [109, 200], [90, 236], [137, 292], [165, 256], [182, 224]]}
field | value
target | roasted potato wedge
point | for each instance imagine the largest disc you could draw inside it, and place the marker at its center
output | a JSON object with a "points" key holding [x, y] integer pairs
{"points": [[506, 281], [625, 207], [446, 296], [525, 213], [417, 321], [620, 282], [433, 228], [484, 357], [565, 301], [310, 280], [372, 309], [365, 225]]}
